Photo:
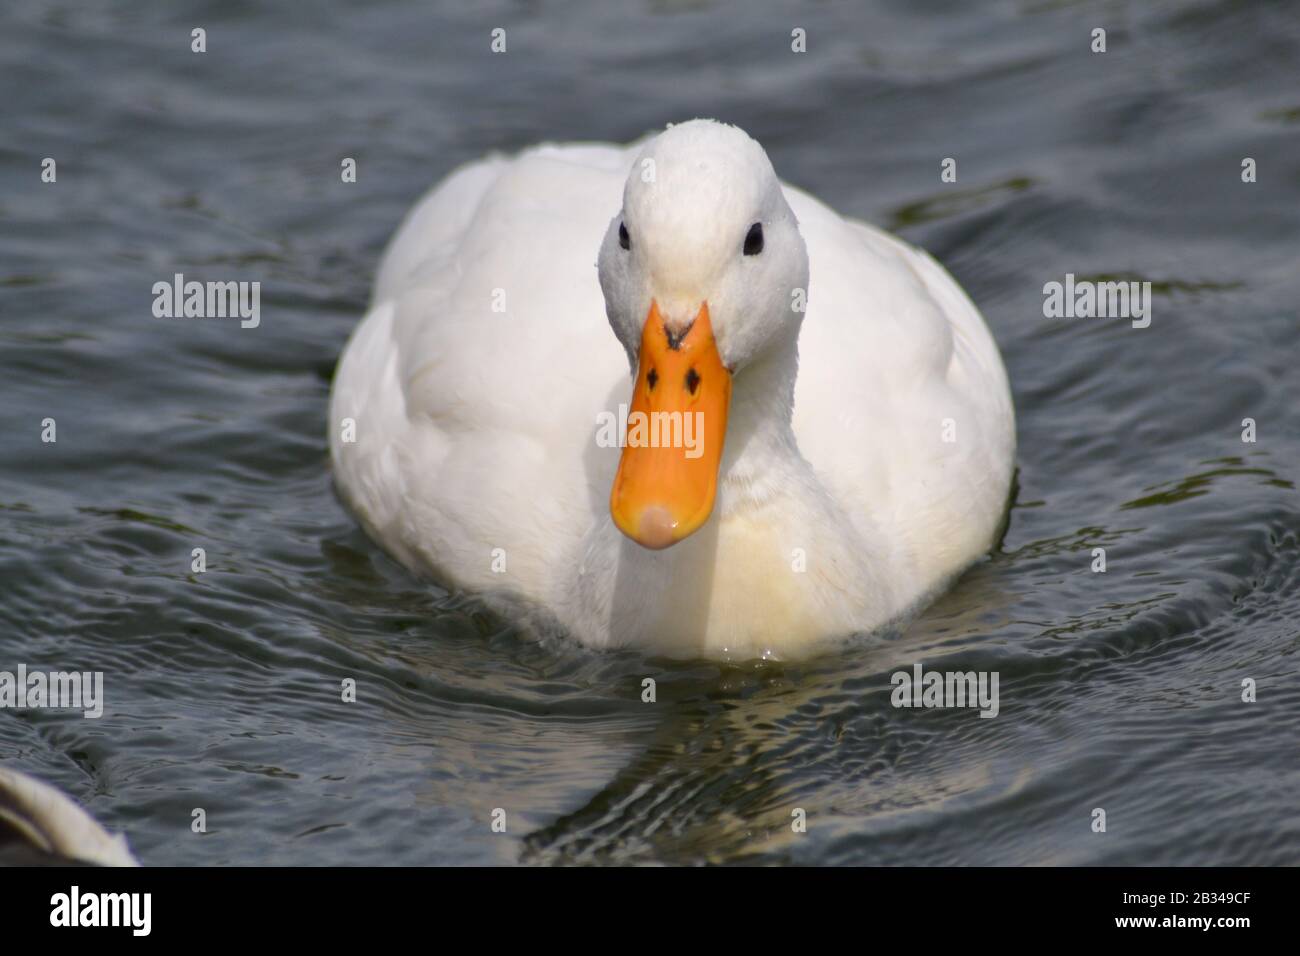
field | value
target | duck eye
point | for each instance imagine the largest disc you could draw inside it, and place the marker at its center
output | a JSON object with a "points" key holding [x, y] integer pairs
{"points": [[624, 239], [754, 240]]}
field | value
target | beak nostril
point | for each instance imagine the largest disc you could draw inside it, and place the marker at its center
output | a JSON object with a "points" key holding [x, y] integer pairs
{"points": [[652, 379], [692, 381]]}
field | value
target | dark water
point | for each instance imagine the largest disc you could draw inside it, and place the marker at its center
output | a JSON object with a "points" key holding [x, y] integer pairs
{"points": [[1119, 690]]}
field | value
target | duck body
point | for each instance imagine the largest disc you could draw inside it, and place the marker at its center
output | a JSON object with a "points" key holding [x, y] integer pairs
{"points": [[870, 441]]}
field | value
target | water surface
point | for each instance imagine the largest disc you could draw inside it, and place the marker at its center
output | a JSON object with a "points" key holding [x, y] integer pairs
{"points": [[1119, 690]]}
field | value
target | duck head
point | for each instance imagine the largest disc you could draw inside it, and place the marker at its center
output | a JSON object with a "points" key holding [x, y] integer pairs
{"points": [[702, 270]]}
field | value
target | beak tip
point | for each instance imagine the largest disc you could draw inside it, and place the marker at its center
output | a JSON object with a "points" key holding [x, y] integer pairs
{"points": [[654, 528], [657, 528]]}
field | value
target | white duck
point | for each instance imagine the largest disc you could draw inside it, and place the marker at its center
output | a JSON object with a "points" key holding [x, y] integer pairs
{"points": [[480, 386]]}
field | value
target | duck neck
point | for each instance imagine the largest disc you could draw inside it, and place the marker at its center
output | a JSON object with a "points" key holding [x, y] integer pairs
{"points": [[761, 458]]}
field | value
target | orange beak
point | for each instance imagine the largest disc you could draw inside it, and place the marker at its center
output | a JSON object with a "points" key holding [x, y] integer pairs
{"points": [[668, 475]]}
